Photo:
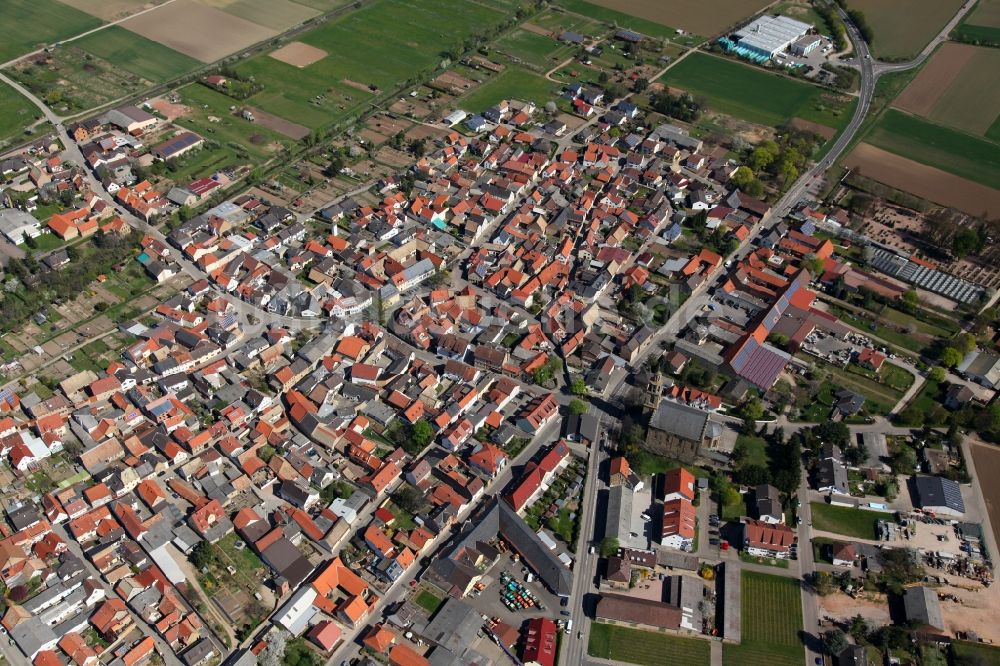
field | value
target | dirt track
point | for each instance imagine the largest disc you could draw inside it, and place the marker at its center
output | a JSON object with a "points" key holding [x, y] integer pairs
{"points": [[927, 182]]}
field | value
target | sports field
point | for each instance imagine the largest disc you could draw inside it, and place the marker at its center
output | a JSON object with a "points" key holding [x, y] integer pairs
{"points": [[959, 153], [16, 113], [647, 648], [629, 21], [957, 88], [904, 38], [757, 96], [706, 17], [771, 617], [373, 46], [31, 24], [982, 24], [512, 83], [136, 54]]}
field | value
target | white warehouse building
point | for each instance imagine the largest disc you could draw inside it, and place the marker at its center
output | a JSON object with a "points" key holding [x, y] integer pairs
{"points": [[770, 35]]}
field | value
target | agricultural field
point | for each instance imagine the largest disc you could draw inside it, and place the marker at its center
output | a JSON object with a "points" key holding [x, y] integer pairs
{"points": [[202, 32], [924, 181], [647, 648], [542, 51], [512, 83], [109, 10], [16, 113], [372, 45], [771, 616], [751, 94], [956, 88], [844, 520], [964, 652], [31, 24], [956, 152], [707, 17], [136, 54], [606, 13], [279, 15], [982, 25], [904, 39], [986, 460]]}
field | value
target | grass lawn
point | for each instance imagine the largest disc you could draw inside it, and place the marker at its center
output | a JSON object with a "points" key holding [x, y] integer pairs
{"points": [[771, 608], [845, 520], [32, 24], [429, 602], [754, 448], [879, 398], [975, 653], [644, 463], [950, 150], [647, 648], [895, 376], [150, 60], [757, 96], [512, 83], [16, 113], [929, 395], [765, 561], [374, 45], [612, 17]]}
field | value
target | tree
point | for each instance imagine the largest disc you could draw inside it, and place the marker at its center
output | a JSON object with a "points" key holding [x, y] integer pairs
{"points": [[742, 177], [936, 374], [578, 387], [577, 407], [203, 555], [834, 641], [274, 653], [409, 499], [830, 432], [966, 241], [421, 434], [752, 409], [754, 188], [950, 357], [609, 546], [824, 583], [813, 264], [418, 147]]}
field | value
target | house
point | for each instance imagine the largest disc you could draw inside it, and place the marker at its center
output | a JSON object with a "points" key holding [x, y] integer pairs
{"points": [[870, 359], [678, 483], [767, 540], [843, 554], [938, 496], [622, 474], [853, 655], [921, 607], [177, 145], [538, 413], [540, 637], [768, 504], [831, 473], [678, 529]]}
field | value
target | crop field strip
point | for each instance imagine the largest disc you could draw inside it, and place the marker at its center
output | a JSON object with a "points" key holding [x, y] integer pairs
{"points": [[610, 16], [134, 53], [705, 17], [899, 38], [31, 24], [982, 24], [754, 95]]}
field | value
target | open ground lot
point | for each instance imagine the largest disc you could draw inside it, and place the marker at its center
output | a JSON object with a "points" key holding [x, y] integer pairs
{"points": [[298, 54], [707, 17], [771, 616], [513, 83], [372, 50], [895, 38], [845, 520], [622, 644], [982, 24], [16, 113], [607, 12], [956, 88], [751, 94], [31, 24], [987, 461], [197, 30]]}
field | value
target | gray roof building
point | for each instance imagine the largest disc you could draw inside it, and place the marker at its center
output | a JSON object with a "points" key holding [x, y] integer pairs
{"points": [[938, 494], [920, 604]]}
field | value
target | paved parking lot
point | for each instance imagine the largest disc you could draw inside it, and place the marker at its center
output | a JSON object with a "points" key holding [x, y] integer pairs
{"points": [[488, 601]]}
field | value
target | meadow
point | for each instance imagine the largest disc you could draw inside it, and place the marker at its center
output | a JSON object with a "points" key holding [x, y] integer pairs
{"points": [[512, 83], [32, 24], [771, 616], [646, 648], [134, 53], [628, 21], [373, 46], [16, 113], [746, 92], [904, 39], [970, 157], [539, 50]]}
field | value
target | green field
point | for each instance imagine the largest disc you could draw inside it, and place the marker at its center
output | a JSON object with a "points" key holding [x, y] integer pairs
{"points": [[534, 49], [134, 53], [977, 34], [369, 47], [845, 520], [428, 601], [975, 653], [903, 39], [512, 83], [754, 95], [646, 648], [31, 24], [771, 610], [950, 150], [612, 17], [16, 113]]}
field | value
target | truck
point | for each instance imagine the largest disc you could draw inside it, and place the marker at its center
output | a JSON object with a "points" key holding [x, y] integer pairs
{"points": [[569, 626]]}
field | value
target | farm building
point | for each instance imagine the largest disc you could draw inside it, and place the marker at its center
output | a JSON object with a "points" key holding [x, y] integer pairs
{"points": [[177, 145], [130, 119], [768, 36], [939, 495], [15, 225]]}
